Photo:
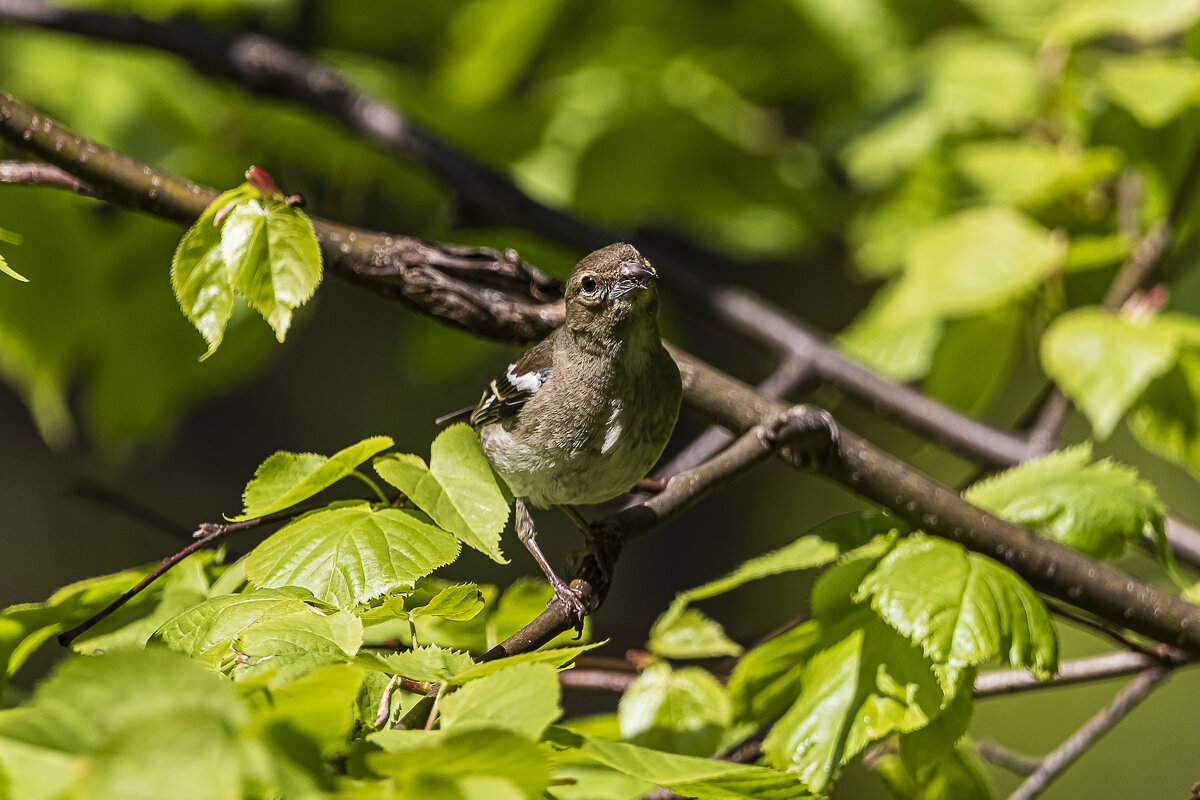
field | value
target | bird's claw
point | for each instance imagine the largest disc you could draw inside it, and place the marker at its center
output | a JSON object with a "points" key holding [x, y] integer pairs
{"points": [[573, 601]]}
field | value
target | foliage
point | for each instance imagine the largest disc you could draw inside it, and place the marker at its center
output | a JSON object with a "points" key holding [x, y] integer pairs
{"points": [[990, 171]]}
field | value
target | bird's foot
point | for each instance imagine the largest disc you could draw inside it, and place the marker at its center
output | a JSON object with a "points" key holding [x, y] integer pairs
{"points": [[573, 600]]}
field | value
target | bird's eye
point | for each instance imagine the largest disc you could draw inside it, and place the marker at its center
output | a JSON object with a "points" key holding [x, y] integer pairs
{"points": [[588, 283]]}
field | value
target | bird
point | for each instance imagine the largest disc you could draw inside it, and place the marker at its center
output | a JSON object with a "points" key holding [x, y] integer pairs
{"points": [[584, 414]]}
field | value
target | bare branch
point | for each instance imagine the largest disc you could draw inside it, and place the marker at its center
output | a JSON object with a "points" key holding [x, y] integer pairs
{"points": [[208, 534], [477, 288], [1011, 760], [1057, 761], [35, 173], [1082, 670]]}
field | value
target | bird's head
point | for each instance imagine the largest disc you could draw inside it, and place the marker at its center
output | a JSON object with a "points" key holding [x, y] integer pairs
{"points": [[611, 290]]}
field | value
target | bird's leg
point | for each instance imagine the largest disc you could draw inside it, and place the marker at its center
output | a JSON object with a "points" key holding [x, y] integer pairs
{"points": [[595, 543], [570, 598]]}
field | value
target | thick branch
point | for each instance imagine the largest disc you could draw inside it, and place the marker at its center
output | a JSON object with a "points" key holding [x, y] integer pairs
{"points": [[933, 507], [262, 66], [478, 288]]}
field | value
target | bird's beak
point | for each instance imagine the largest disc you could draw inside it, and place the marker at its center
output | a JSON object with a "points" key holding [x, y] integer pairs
{"points": [[634, 275]]}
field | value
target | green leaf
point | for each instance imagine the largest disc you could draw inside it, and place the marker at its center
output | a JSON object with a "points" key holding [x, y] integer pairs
{"points": [[191, 755], [429, 663], [459, 602], [1079, 21], [868, 683], [978, 80], [1009, 254], [1029, 174], [931, 764], [351, 554], [199, 276], [89, 699], [682, 632], [267, 622], [320, 706], [766, 680], [458, 489], [273, 258], [1166, 419], [974, 358], [890, 339], [683, 711], [700, 778], [1093, 508], [10, 272], [285, 479], [523, 698], [960, 607], [1104, 361], [555, 657], [454, 757], [1153, 87], [822, 545]]}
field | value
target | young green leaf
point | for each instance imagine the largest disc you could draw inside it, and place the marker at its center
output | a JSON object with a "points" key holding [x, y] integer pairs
{"points": [[766, 680], [349, 555], [1104, 361], [822, 545], [681, 711], [555, 657], [960, 607], [867, 683], [267, 622], [523, 698], [273, 259], [429, 663], [1008, 252], [682, 632], [455, 760], [1154, 88], [459, 602], [700, 778], [319, 705], [10, 272], [458, 489], [198, 273], [1093, 508], [1166, 418], [285, 479]]}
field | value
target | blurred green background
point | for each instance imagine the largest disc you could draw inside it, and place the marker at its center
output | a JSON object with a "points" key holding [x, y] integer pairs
{"points": [[807, 143]]}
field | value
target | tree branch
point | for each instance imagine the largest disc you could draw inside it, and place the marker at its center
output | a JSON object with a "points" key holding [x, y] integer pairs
{"points": [[477, 288], [207, 535], [1058, 760], [264, 67]]}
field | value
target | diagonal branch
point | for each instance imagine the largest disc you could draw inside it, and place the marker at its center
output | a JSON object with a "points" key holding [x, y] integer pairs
{"points": [[1070, 750], [265, 67]]}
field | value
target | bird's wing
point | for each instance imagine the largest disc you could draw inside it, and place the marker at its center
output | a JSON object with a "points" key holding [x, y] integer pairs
{"points": [[511, 390]]}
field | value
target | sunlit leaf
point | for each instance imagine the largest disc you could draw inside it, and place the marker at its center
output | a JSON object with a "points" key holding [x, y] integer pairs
{"points": [[1152, 87], [285, 479], [867, 683], [351, 554], [1095, 508], [522, 698], [429, 663], [681, 711], [767, 679], [682, 632], [962, 608], [700, 778], [452, 757], [1104, 361], [458, 489]]}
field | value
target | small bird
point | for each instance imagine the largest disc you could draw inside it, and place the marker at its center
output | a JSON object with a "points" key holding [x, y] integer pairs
{"points": [[585, 413]]}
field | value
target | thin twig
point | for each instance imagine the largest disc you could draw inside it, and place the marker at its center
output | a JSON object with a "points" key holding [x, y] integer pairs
{"points": [[1062, 757], [208, 534], [1011, 760], [1082, 670], [35, 173]]}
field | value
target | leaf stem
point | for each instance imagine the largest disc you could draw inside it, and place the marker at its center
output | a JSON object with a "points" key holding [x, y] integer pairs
{"points": [[383, 498]]}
